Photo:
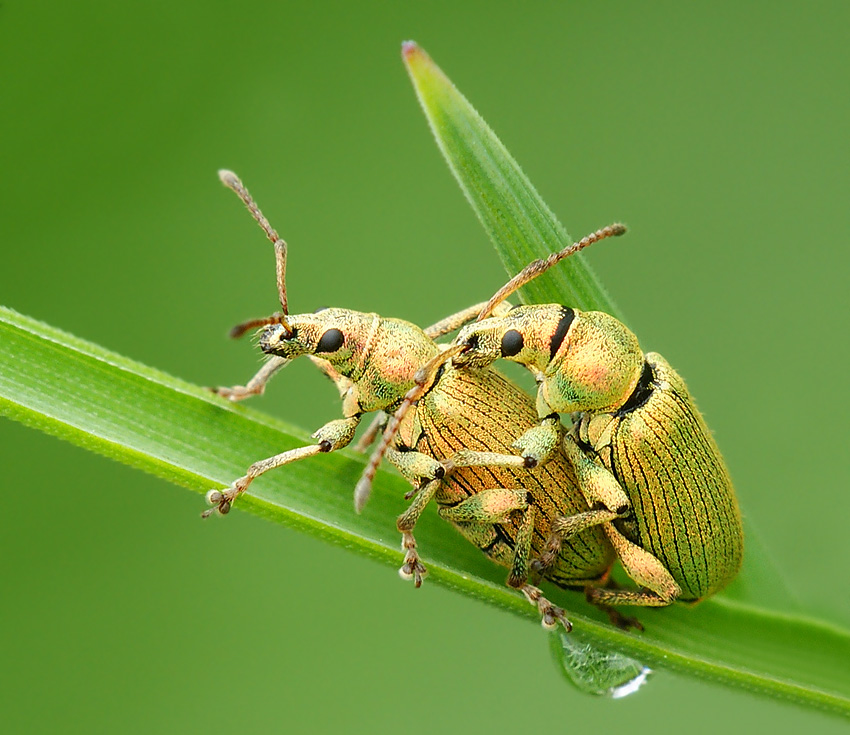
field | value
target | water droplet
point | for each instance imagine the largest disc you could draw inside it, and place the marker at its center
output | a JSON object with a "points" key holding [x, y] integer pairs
{"points": [[593, 669]]}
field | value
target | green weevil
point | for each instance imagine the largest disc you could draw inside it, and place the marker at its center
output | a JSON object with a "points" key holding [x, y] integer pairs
{"points": [[454, 448], [645, 459]]}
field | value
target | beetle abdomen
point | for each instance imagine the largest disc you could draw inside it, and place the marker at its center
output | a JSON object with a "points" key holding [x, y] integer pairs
{"points": [[685, 511], [483, 411]]}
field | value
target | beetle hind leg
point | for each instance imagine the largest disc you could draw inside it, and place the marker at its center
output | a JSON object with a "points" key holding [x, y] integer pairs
{"points": [[618, 619], [495, 506], [659, 589]]}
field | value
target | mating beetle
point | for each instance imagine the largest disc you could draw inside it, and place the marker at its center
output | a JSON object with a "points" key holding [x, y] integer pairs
{"points": [[645, 459], [455, 447]]}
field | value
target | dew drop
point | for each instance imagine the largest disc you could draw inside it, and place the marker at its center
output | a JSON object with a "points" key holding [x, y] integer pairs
{"points": [[597, 670]]}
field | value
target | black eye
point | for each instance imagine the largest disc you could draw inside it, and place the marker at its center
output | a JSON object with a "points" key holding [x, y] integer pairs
{"points": [[512, 343], [331, 341]]}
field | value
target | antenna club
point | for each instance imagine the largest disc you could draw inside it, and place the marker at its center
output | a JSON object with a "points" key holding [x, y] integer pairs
{"points": [[361, 494], [229, 179]]}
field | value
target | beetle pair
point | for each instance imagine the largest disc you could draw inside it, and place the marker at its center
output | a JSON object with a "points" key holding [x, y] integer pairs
{"points": [[638, 476]]}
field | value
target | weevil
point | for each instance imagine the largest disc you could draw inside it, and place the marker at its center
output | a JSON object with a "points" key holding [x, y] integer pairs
{"points": [[454, 448], [644, 457]]}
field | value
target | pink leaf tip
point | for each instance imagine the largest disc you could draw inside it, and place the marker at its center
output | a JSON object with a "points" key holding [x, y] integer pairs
{"points": [[408, 49]]}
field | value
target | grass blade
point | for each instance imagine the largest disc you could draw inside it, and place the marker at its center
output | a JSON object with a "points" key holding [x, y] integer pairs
{"points": [[76, 390], [518, 221]]}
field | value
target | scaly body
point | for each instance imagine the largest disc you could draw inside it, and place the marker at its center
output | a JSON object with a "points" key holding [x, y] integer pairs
{"points": [[454, 447], [646, 462]]}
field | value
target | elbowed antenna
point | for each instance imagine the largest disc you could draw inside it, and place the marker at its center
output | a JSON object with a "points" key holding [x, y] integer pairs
{"points": [[232, 182], [537, 267]]}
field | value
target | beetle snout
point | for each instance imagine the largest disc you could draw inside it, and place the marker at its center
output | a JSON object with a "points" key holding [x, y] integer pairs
{"points": [[275, 338], [471, 356]]}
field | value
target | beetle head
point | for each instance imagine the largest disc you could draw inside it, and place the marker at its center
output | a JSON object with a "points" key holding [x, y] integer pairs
{"points": [[584, 361], [523, 335], [334, 335]]}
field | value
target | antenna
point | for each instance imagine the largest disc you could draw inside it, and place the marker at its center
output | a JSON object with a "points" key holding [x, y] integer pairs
{"points": [[423, 381], [537, 267], [232, 182]]}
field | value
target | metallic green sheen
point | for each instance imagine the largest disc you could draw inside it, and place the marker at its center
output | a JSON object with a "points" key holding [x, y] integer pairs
{"points": [[483, 411], [684, 507]]}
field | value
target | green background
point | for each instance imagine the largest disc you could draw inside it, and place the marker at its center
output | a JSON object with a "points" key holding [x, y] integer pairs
{"points": [[717, 132]]}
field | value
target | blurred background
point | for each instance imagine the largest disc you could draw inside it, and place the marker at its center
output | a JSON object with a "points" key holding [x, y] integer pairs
{"points": [[717, 131]]}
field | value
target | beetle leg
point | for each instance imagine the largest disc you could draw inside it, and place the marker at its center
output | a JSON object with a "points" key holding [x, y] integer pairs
{"points": [[488, 506], [562, 528], [223, 499], [427, 473], [256, 385], [539, 443], [625, 622], [413, 567], [333, 435], [494, 506], [471, 458], [645, 569], [416, 466], [550, 614], [596, 483], [337, 433]]}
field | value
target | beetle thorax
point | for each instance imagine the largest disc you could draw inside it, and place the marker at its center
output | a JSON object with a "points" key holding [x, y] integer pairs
{"points": [[596, 368], [390, 357]]}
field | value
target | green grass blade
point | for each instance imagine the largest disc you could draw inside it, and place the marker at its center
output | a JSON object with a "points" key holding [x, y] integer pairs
{"points": [[517, 220], [140, 416]]}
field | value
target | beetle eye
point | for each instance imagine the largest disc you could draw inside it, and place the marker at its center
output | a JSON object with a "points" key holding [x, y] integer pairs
{"points": [[331, 341], [512, 343]]}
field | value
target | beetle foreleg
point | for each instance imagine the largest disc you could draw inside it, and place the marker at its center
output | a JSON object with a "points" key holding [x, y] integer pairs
{"points": [[336, 434], [333, 435], [223, 499], [256, 385]]}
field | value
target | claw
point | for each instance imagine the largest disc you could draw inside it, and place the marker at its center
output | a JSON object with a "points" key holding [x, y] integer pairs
{"points": [[222, 501], [550, 615], [412, 568]]}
